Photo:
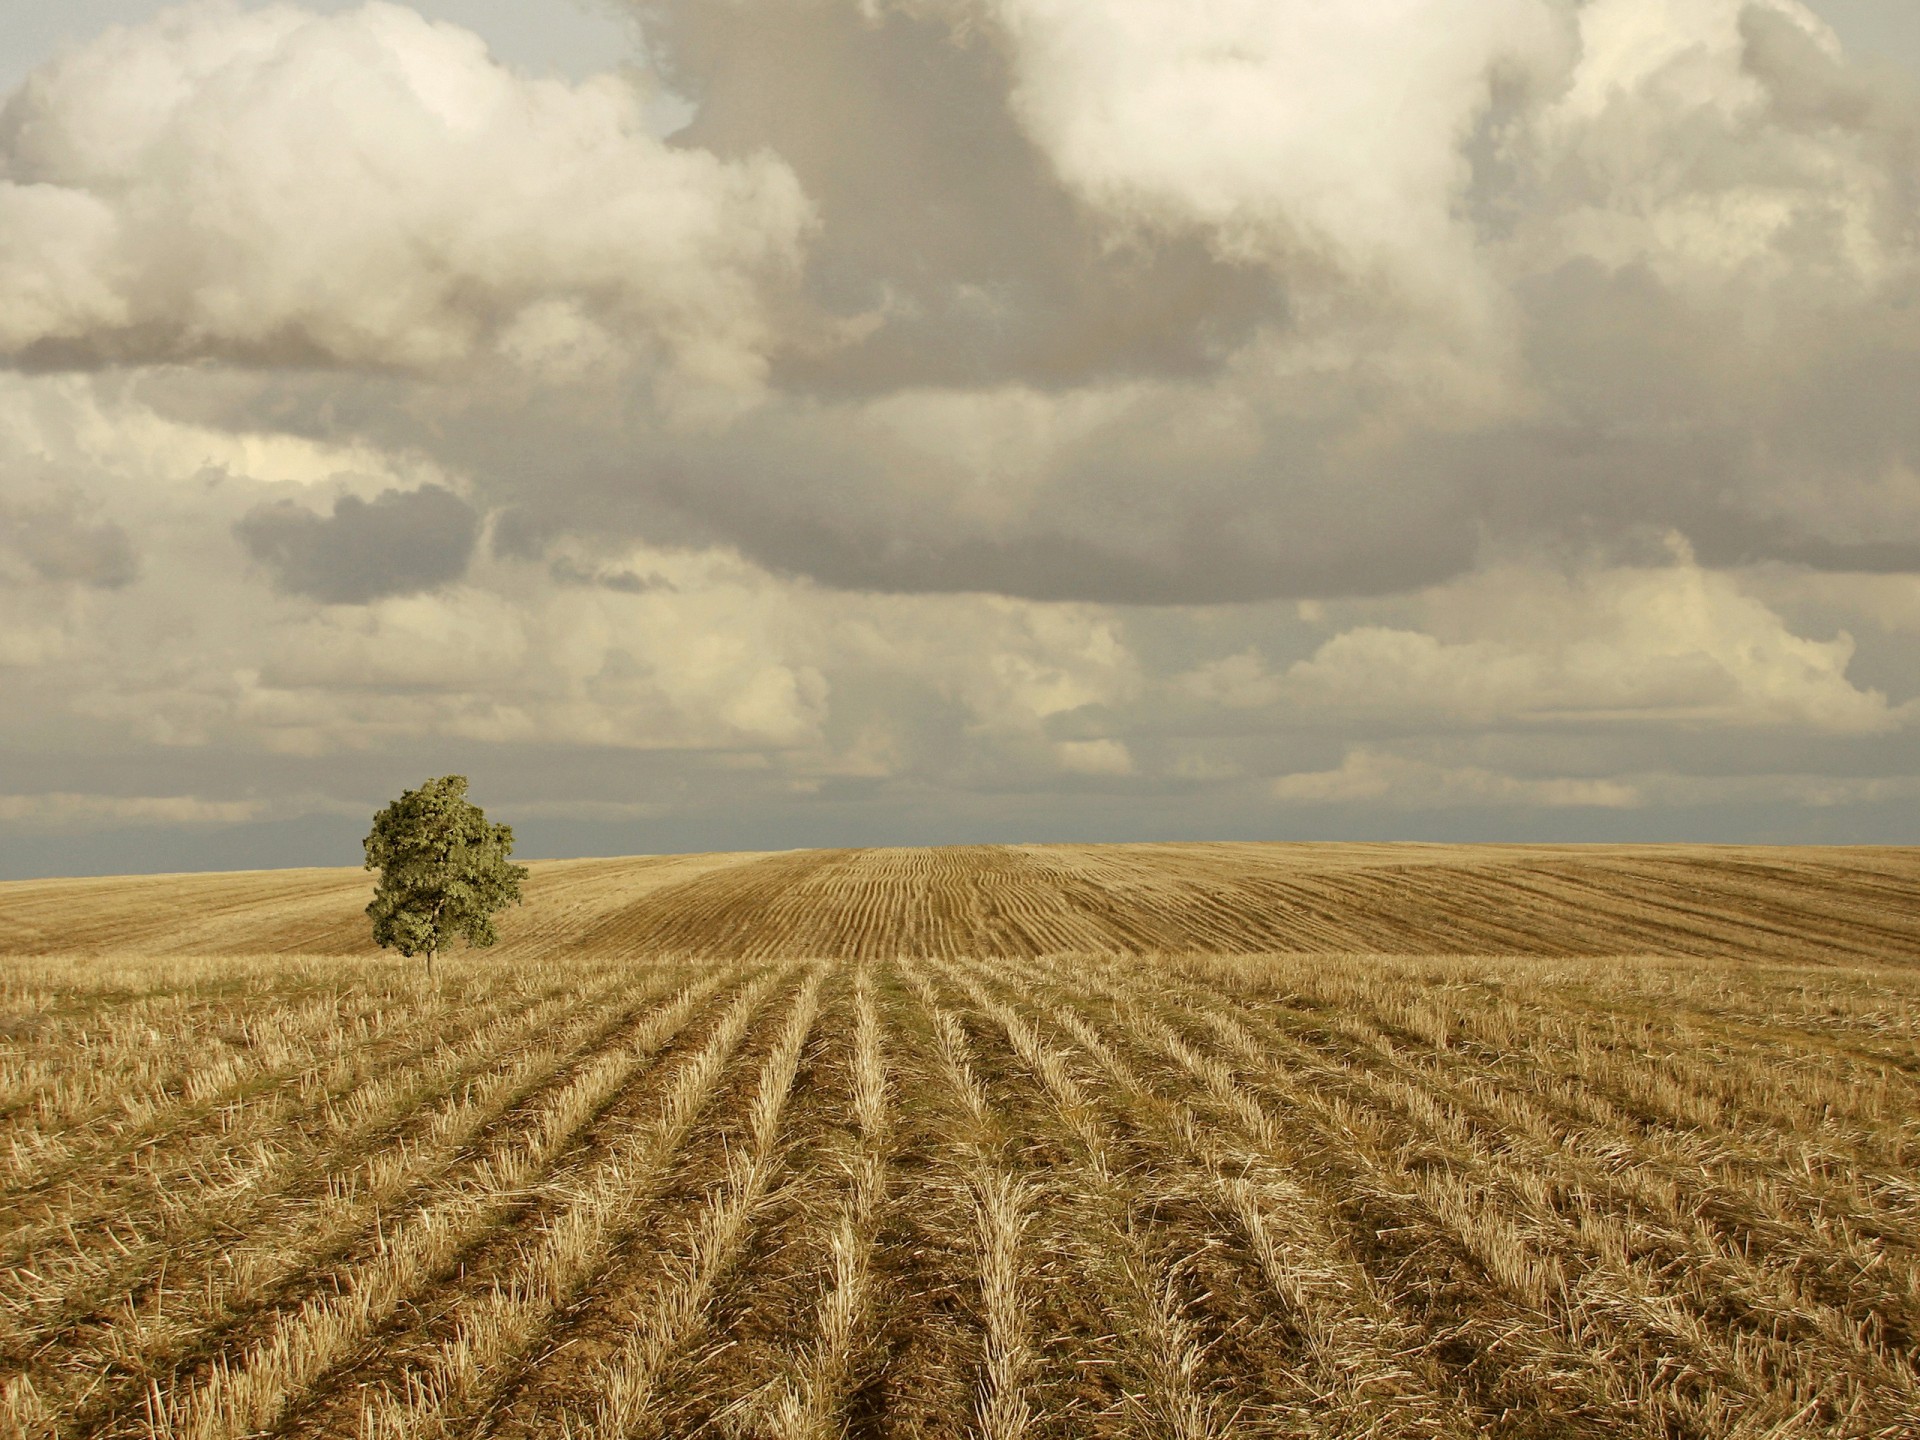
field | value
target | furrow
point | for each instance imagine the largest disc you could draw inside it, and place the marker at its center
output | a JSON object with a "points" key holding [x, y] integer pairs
{"points": [[806, 1402], [1363, 1371], [1002, 1209], [207, 1283], [1163, 1393], [1526, 1252], [251, 1392], [108, 1111], [75, 1267], [1724, 1211], [674, 1314], [492, 1330]]}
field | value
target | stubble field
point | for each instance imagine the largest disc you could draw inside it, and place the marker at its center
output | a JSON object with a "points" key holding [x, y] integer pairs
{"points": [[1170, 1141]]}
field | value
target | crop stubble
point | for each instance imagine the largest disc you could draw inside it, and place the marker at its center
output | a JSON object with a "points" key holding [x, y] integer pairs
{"points": [[1182, 1141]]}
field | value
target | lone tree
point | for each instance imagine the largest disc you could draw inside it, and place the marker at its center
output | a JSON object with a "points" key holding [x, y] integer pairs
{"points": [[443, 870]]}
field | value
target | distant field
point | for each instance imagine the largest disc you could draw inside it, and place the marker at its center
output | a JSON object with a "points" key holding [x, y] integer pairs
{"points": [[1180, 1141]]}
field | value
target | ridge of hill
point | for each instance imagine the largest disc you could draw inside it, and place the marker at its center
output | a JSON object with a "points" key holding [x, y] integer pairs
{"points": [[1733, 902]]}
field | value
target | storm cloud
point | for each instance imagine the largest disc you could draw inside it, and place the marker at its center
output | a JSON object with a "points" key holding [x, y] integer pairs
{"points": [[402, 542]]}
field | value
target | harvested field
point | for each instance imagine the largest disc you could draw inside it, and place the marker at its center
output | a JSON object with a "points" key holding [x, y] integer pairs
{"points": [[1181, 1141]]}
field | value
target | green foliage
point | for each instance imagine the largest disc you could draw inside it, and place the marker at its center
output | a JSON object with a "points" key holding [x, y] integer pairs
{"points": [[443, 870]]}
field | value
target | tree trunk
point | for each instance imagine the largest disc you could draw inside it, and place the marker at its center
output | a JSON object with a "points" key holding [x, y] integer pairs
{"points": [[433, 945]]}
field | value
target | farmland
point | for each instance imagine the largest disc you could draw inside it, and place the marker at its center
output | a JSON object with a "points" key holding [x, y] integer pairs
{"points": [[1051, 1141]]}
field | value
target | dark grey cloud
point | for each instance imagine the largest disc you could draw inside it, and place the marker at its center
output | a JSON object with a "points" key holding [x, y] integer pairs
{"points": [[1134, 515], [567, 571], [402, 542], [941, 221]]}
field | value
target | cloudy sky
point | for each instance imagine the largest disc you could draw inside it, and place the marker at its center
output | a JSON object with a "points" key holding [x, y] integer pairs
{"points": [[755, 423]]}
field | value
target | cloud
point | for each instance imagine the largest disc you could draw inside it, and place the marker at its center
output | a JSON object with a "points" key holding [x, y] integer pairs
{"points": [[1673, 645], [1571, 286], [29, 640], [58, 540], [946, 249], [566, 570], [401, 542], [1094, 757], [65, 811], [1726, 147], [1066, 302], [1276, 127], [943, 426], [274, 186], [1371, 777]]}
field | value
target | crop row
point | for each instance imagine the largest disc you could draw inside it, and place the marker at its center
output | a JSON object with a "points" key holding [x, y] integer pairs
{"points": [[1038, 1195]]}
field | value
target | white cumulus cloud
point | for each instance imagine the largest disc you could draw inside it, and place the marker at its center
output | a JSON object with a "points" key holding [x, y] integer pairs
{"points": [[1278, 126], [369, 188], [1674, 645]]}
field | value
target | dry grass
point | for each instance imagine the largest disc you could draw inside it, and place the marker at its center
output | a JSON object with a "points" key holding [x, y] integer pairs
{"points": [[998, 1142]]}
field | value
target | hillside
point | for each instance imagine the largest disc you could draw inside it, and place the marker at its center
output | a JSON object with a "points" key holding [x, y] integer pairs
{"points": [[1009, 1143], [1734, 902]]}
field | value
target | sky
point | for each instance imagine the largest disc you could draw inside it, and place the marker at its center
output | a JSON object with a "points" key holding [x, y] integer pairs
{"points": [[809, 422]]}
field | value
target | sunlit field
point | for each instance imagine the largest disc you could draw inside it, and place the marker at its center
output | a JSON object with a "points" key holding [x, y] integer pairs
{"points": [[1180, 1141]]}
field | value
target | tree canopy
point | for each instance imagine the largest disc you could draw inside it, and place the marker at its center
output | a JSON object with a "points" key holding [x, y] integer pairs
{"points": [[443, 870]]}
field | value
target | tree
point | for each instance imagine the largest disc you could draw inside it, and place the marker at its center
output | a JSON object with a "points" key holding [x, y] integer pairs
{"points": [[443, 871]]}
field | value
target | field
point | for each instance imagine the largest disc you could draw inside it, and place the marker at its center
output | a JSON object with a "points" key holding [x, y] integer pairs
{"points": [[1173, 1141]]}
